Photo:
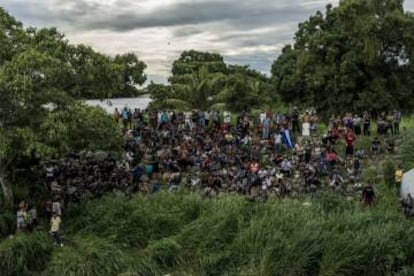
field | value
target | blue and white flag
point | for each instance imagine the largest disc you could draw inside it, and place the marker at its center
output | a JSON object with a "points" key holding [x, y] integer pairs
{"points": [[287, 139]]}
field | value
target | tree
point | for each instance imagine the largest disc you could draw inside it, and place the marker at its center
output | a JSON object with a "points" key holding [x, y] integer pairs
{"points": [[158, 94], [245, 89], [203, 81], [354, 58], [132, 74], [192, 61], [39, 113], [197, 77]]}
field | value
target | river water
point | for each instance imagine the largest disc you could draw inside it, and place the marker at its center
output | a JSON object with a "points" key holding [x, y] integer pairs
{"points": [[110, 104]]}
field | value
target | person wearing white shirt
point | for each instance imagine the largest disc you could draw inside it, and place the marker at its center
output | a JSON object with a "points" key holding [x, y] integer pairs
{"points": [[262, 117], [277, 138], [187, 120], [226, 117]]}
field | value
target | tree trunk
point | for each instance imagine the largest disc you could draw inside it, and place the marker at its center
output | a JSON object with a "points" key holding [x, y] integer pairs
{"points": [[7, 191]]}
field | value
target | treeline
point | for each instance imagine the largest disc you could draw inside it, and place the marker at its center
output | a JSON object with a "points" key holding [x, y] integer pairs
{"points": [[355, 57], [83, 73]]}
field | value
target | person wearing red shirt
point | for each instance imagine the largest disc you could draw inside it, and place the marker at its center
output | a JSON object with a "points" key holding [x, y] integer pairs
{"points": [[349, 141]]}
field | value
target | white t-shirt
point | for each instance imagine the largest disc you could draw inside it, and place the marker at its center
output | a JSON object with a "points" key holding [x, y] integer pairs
{"points": [[278, 138], [226, 116], [262, 117]]}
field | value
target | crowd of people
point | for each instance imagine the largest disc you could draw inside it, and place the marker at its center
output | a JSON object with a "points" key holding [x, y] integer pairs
{"points": [[268, 155]]}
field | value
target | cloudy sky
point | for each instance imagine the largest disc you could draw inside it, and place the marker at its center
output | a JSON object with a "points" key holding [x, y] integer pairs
{"points": [[243, 31]]}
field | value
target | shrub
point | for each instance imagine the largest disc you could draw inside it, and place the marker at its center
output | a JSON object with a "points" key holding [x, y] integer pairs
{"points": [[25, 253]]}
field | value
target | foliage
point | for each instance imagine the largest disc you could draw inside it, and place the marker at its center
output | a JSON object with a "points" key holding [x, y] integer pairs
{"points": [[183, 234], [407, 151], [25, 254], [41, 78], [7, 224], [355, 57], [201, 80]]}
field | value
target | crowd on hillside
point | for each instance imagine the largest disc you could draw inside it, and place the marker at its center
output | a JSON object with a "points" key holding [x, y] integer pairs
{"points": [[269, 155]]}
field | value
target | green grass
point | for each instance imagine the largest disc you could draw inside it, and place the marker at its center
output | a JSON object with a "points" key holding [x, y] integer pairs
{"points": [[184, 234]]}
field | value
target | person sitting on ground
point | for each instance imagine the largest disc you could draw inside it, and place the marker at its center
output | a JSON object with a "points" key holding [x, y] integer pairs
{"points": [[286, 167], [336, 179], [360, 153]]}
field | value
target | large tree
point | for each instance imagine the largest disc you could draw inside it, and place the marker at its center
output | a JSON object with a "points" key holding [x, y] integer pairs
{"points": [[39, 113], [355, 57], [197, 77], [202, 80]]}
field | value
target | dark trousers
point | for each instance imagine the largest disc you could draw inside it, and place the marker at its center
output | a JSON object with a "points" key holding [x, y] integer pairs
{"points": [[56, 237], [295, 126], [396, 128], [367, 130]]}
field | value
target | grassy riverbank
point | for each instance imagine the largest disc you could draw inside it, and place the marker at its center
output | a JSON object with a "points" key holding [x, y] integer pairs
{"points": [[183, 234]]}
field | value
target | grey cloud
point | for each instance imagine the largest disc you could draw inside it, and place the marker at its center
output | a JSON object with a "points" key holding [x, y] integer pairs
{"points": [[126, 15], [231, 13], [260, 61], [187, 31]]}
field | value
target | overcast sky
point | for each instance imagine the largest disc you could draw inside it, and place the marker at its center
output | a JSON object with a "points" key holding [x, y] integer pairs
{"points": [[243, 31]]}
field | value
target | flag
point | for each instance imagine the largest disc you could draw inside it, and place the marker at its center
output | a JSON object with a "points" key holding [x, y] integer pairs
{"points": [[287, 139]]}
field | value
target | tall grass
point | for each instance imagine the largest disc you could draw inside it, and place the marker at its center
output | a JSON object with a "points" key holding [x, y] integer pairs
{"points": [[25, 254], [183, 234]]}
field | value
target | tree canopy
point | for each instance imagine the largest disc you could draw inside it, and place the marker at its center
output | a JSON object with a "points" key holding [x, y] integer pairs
{"points": [[357, 56], [41, 78], [202, 80]]}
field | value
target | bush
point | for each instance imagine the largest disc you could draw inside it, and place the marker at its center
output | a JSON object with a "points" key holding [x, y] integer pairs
{"points": [[7, 224], [25, 253]]}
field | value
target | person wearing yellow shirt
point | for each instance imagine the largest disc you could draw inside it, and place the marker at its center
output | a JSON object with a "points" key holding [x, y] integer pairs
{"points": [[55, 225], [398, 175]]}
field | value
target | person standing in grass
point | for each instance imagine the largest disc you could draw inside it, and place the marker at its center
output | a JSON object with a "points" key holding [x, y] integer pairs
{"points": [[396, 122], [117, 115], [55, 226], [350, 141], [398, 175]]}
